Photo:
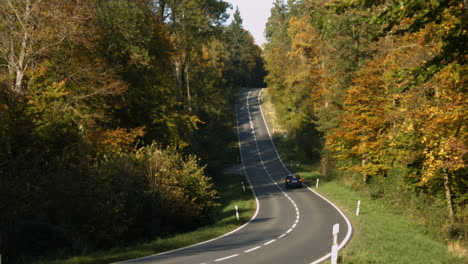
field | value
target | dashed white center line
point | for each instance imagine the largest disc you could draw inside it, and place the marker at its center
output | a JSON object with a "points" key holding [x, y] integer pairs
{"points": [[269, 242], [247, 107], [252, 249], [269, 175], [228, 257]]}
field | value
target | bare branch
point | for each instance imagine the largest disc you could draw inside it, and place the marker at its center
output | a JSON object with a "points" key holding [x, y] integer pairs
{"points": [[405, 47], [18, 17]]}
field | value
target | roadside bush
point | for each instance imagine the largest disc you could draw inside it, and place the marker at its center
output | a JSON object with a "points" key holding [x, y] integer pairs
{"points": [[177, 184]]}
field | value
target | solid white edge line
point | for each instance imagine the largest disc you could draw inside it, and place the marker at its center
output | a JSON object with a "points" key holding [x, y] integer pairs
{"points": [[348, 222], [216, 238], [252, 249], [260, 155], [228, 257]]}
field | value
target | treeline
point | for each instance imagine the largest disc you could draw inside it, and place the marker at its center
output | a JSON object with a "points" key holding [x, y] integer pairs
{"points": [[114, 115], [384, 85]]}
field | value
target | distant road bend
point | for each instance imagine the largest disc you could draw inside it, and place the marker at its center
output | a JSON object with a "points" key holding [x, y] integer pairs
{"points": [[290, 225]]}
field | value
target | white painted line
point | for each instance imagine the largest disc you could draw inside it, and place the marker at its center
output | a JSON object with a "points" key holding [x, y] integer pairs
{"points": [[228, 257], [266, 170], [269, 242], [233, 231], [283, 235], [350, 227], [252, 249]]}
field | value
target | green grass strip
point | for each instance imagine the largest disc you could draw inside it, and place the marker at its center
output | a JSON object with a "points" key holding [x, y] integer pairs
{"points": [[380, 235]]}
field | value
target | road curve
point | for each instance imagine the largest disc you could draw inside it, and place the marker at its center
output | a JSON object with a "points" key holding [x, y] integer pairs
{"points": [[290, 225]]}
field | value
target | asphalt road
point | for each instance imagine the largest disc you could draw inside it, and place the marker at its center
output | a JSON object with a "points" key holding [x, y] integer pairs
{"points": [[290, 225]]}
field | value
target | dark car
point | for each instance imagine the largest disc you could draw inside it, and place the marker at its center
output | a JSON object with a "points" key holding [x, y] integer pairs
{"points": [[293, 180]]}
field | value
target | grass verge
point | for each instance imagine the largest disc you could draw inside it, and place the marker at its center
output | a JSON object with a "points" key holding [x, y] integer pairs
{"points": [[380, 235], [231, 194]]}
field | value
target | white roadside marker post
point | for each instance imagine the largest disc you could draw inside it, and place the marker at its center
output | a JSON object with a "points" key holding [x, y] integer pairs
{"points": [[316, 185], [243, 186], [336, 230], [358, 207], [237, 213], [334, 250]]}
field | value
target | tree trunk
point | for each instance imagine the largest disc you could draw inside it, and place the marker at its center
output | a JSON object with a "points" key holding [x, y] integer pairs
{"points": [[20, 63], [187, 85], [448, 196], [178, 68], [324, 162], [160, 12], [365, 176]]}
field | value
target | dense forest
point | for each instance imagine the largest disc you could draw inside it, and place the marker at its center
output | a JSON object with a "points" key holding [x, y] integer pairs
{"points": [[114, 117], [384, 85]]}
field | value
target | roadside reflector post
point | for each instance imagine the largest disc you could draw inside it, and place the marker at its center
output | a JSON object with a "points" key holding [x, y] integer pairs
{"points": [[336, 230], [243, 186], [358, 207], [237, 213], [334, 254], [316, 185], [334, 250]]}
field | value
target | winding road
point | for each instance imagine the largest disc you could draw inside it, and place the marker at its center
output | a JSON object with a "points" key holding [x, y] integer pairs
{"points": [[290, 225]]}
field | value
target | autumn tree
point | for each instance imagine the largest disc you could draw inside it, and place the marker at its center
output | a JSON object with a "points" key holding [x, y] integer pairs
{"points": [[384, 83], [244, 54], [189, 22], [86, 88], [28, 30]]}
